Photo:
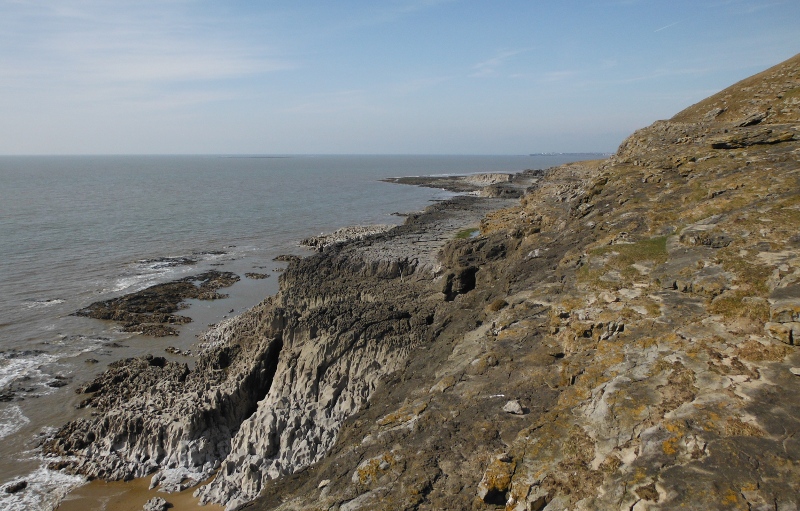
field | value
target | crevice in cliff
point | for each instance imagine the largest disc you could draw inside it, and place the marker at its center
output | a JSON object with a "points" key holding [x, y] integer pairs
{"points": [[459, 282], [260, 381]]}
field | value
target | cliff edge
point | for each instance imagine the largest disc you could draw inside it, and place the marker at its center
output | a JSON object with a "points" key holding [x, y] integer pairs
{"points": [[635, 347], [625, 336]]}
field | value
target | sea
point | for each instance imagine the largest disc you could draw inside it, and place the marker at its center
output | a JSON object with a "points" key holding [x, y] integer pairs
{"points": [[78, 229]]}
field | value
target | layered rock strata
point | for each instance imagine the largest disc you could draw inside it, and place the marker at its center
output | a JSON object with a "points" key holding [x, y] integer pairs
{"points": [[272, 387], [486, 185], [342, 235]]}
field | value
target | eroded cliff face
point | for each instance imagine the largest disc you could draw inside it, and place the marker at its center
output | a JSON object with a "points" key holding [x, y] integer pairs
{"points": [[273, 386], [150, 414], [338, 339]]}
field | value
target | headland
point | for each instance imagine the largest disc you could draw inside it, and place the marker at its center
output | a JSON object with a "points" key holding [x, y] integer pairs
{"points": [[622, 336]]}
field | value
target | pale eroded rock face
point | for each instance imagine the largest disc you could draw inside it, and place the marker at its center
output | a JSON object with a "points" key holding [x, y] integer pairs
{"points": [[323, 377], [352, 317], [272, 386]]}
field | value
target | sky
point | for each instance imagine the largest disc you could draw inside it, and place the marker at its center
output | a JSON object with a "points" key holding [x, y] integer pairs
{"points": [[368, 77]]}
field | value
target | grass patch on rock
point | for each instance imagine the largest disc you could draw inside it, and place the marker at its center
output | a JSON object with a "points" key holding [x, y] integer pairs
{"points": [[735, 304], [466, 233], [611, 267]]}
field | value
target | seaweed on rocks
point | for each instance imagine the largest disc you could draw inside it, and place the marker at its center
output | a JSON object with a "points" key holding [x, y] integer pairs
{"points": [[151, 311]]}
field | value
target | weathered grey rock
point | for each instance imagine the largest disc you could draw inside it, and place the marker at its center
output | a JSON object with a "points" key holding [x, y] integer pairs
{"points": [[514, 407], [156, 504], [271, 387], [343, 235], [690, 405], [496, 481], [784, 332], [389, 390]]}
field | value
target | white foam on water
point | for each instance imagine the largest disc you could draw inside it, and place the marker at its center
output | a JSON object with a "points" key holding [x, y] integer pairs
{"points": [[41, 304], [45, 490], [33, 369], [136, 282], [23, 366], [147, 272], [11, 420]]}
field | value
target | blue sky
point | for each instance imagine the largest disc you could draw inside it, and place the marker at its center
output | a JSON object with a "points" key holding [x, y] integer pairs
{"points": [[396, 76]]}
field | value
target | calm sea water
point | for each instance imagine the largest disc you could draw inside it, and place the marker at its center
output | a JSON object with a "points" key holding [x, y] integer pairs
{"points": [[74, 230]]}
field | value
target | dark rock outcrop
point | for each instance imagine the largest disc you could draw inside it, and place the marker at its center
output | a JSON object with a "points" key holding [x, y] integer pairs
{"points": [[151, 311], [15, 487]]}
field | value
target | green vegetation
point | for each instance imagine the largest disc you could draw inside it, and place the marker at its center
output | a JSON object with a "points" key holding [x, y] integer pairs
{"points": [[622, 256], [466, 233], [750, 277], [611, 267], [734, 305], [497, 305], [792, 93]]}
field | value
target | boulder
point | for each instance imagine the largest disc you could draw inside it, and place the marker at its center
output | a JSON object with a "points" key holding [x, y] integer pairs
{"points": [[156, 504]]}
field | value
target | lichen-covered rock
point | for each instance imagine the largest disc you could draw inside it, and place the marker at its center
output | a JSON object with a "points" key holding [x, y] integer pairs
{"points": [[496, 481], [648, 328]]}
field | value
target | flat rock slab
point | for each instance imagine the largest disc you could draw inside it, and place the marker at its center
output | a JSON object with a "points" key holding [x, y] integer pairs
{"points": [[420, 239]]}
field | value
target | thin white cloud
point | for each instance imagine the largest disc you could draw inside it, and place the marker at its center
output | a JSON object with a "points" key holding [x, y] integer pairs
{"points": [[557, 76], [658, 74], [666, 27], [98, 46], [489, 67], [419, 84], [380, 13], [420, 5], [545, 77], [748, 6]]}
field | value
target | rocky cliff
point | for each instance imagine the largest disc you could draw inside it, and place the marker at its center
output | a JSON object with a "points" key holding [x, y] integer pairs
{"points": [[623, 337], [272, 387], [630, 346]]}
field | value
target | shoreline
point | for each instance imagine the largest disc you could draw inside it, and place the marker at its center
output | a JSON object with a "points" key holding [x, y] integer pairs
{"points": [[432, 225], [127, 496], [625, 336], [50, 410]]}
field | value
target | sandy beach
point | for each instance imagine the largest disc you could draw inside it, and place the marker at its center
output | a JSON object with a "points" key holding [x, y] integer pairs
{"points": [[128, 496]]}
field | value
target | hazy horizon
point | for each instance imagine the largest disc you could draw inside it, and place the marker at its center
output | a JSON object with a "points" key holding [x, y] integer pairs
{"points": [[305, 155], [417, 77]]}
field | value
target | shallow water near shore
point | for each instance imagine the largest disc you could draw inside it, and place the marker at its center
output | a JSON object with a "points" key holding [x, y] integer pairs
{"points": [[128, 496], [74, 230]]}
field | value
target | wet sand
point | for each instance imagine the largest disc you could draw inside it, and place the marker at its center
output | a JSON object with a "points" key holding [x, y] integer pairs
{"points": [[128, 496]]}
